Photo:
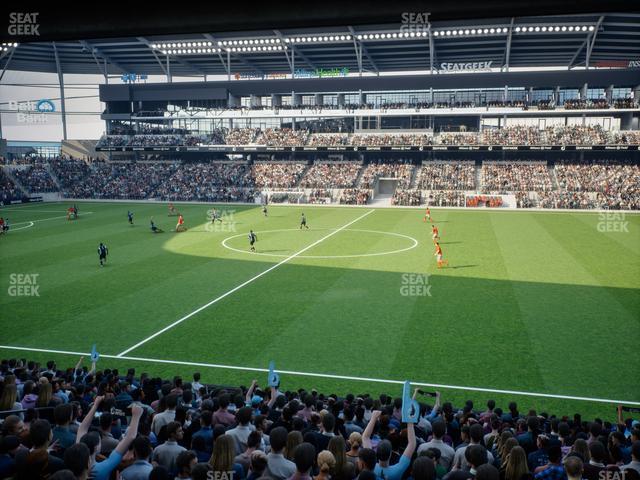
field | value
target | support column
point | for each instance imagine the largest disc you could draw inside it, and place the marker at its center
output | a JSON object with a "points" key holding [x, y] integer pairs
{"points": [[635, 92], [583, 92], [608, 92], [276, 100], [319, 99], [255, 101], [233, 100], [61, 84], [341, 100]]}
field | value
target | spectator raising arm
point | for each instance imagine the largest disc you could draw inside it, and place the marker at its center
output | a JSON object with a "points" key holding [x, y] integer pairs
{"points": [[132, 431], [411, 438], [103, 470], [249, 396], [274, 395], [366, 435], [88, 419]]}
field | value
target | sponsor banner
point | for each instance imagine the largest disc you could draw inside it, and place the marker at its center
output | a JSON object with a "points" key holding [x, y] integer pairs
{"points": [[617, 64], [349, 148]]}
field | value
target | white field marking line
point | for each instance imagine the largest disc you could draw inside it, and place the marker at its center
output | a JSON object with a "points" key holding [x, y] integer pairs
{"points": [[244, 284], [356, 255], [29, 210], [50, 218], [31, 224], [330, 376]]}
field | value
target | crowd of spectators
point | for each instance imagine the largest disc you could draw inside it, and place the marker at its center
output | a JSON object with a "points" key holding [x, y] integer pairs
{"points": [[577, 104], [355, 196], [545, 104], [624, 103], [328, 139], [128, 180], [8, 190], [516, 177], [36, 178], [524, 200], [206, 182], [276, 175], [407, 197], [571, 184], [445, 198], [331, 175], [565, 200], [447, 176], [286, 137], [451, 138], [319, 195], [492, 201], [80, 423], [282, 137], [400, 170], [241, 136], [387, 139]]}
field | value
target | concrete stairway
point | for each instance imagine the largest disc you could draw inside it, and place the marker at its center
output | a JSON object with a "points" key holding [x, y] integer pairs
{"points": [[381, 200]]}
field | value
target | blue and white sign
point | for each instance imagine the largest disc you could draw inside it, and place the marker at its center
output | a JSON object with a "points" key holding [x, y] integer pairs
{"points": [[45, 106]]}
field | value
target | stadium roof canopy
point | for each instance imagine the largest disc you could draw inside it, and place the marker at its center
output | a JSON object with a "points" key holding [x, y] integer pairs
{"points": [[563, 40]]}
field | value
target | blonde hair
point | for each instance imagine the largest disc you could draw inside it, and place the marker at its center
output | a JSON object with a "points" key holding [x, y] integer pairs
{"points": [[8, 397], [224, 451], [355, 439], [516, 464], [582, 447], [45, 394], [294, 439], [326, 462]]}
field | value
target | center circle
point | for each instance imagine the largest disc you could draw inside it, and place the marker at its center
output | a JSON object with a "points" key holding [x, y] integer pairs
{"points": [[375, 254]]}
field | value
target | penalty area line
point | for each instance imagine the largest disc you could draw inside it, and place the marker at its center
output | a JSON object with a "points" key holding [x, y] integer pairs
{"points": [[244, 284], [329, 376]]}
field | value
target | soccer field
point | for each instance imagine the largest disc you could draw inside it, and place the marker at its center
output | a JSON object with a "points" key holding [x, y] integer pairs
{"points": [[539, 302]]}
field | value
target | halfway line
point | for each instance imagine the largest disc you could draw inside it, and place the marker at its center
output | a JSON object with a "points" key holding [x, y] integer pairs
{"points": [[244, 284]]}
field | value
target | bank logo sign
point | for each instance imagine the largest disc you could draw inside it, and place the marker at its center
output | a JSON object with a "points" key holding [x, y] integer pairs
{"points": [[32, 111]]}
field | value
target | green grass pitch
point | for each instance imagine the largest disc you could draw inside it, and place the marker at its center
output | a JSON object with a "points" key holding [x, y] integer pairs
{"points": [[541, 302]]}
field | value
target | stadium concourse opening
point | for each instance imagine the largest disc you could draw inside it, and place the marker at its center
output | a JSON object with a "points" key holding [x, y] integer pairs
{"points": [[393, 240]]}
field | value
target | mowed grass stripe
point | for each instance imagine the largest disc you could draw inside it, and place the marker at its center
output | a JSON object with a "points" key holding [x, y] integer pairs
{"points": [[556, 313]]}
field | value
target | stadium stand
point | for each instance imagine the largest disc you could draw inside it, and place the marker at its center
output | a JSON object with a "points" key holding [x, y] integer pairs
{"points": [[596, 184], [86, 421], [286, 137]]}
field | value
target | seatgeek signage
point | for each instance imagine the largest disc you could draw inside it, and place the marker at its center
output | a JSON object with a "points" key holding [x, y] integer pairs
{"points": [[466, 67]]}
